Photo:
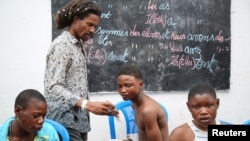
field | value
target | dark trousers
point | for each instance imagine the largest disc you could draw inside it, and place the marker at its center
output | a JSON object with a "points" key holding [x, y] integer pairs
{"points": [[77, 136]]}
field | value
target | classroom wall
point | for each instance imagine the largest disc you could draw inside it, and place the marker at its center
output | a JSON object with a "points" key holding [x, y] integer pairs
{"points": [[26, 35]]}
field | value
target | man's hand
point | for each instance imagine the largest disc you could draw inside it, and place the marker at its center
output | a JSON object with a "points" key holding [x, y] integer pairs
{"points": [[101, 108]]}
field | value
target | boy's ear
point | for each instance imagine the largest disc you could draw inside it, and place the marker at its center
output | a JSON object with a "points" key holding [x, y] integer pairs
{"points": [[187, 105], [218, 102], [18, 111], [18, 108], [141, 83]]}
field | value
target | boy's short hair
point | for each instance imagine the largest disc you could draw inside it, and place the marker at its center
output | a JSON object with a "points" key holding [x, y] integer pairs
{"points": [[26, 96], [201, 89], [132, 70]]}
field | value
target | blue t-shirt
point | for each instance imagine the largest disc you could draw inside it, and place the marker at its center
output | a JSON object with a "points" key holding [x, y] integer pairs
{"points": [[47, 132]]}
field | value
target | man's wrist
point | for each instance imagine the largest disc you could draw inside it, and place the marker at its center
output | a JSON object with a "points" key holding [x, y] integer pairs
{"points": [[84, 104]]}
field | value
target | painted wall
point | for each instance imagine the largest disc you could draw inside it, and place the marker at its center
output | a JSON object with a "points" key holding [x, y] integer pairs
{"points": [[26, 35]]}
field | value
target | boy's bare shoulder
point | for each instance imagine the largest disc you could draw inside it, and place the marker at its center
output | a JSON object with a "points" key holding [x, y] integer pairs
{"points": [[180, 132], [182, 128]]}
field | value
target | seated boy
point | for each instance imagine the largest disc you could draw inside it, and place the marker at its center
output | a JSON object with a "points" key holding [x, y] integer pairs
{"points": [[203, 105], [28, 124], [150, 117]]}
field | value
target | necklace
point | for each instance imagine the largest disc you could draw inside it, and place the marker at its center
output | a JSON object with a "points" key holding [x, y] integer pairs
{"points": [[10, 133]]}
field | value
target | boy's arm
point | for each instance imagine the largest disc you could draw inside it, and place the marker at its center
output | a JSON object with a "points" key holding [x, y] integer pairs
{"points": [[149, 119]]}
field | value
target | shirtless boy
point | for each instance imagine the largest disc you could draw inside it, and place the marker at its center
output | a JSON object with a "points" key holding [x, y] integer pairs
{"points": [[150, 117]]}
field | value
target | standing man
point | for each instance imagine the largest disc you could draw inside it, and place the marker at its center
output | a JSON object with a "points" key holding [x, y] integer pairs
{"points": [[150, 116], [66, 83]]}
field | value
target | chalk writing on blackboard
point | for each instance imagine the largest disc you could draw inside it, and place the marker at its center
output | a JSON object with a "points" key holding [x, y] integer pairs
{"points": [[176, 43]]}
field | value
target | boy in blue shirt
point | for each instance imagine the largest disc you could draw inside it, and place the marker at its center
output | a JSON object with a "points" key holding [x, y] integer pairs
{"points": [[28, 124]]}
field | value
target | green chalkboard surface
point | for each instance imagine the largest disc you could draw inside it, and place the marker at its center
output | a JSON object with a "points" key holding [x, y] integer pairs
{"points": [[175, 43]]}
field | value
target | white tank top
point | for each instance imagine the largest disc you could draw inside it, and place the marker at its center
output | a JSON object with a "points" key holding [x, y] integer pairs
{"points": [[200, 135]]}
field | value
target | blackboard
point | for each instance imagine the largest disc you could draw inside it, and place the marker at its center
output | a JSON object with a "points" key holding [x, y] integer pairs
{"points": [[176, 43]]}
